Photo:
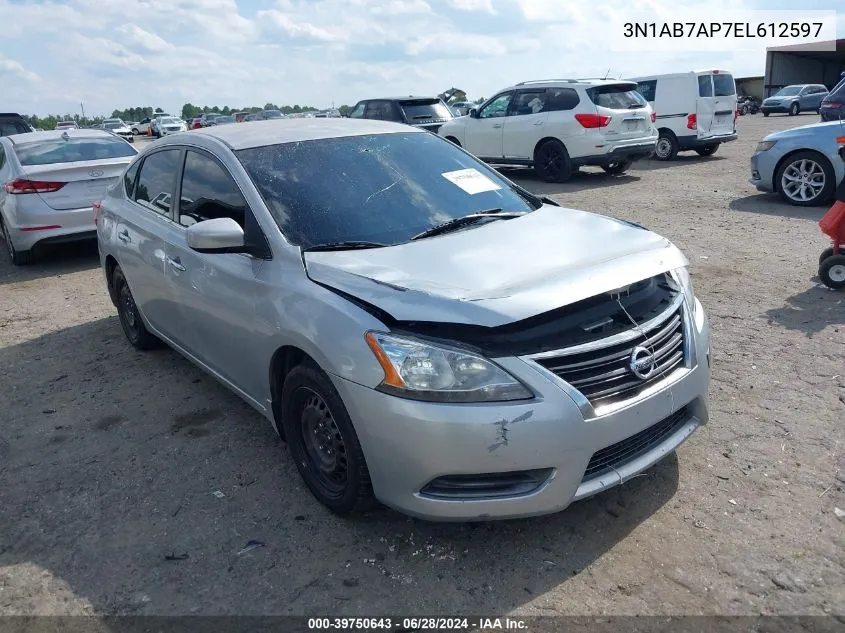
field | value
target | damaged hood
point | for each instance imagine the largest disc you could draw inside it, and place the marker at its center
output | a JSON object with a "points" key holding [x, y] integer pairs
{"points": [[499, 272]]}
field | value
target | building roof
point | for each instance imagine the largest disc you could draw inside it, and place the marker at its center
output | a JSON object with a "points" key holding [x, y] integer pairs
{"points": [[828, 46]]}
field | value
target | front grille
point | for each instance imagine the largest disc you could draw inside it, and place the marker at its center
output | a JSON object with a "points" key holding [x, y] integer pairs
{"points": [[487, 485], [604, 375], [619, 454]]}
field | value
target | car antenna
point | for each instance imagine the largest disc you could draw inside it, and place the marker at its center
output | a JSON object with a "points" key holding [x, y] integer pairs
{"points": [[606, 74]]}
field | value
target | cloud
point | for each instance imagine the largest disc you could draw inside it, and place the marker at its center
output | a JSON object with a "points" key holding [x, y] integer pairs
{"points": [[13, 70]]}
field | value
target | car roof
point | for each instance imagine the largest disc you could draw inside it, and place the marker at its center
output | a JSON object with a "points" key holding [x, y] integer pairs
{"points": [[276, 131], [556, 83], [405, 98], [49, 135]]}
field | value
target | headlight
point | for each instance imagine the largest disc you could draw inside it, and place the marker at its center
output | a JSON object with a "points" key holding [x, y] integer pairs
{"points": [[421, 371], [684, 280], [765, 146]]}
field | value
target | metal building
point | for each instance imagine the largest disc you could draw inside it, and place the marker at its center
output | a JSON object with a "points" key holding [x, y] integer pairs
{"points": [[800, 64]]}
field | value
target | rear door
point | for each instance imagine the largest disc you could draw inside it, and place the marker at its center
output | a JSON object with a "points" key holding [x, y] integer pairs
{"points": [[524, 123], [716, 104], [625, 115]]}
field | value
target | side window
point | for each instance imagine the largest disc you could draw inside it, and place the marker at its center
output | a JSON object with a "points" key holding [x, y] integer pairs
{"points": [[380, 110], [129, 179], [648, 89], [561, 99], [528, 102], [156, 181], [2, 157], [357, 112], [208, 192], [705, 86], [498, 107]]}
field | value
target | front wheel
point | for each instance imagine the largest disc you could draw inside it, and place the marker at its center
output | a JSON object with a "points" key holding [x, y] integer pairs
{"points": [[832, 272], [323, 442], [135, 131], [805, 179], [618, 168], [794, 109], [765, 113], [707, 150], [130, 319]]}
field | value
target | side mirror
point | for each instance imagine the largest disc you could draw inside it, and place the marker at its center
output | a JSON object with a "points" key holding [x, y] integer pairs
{"points": [[220, 235], [473, 113]]}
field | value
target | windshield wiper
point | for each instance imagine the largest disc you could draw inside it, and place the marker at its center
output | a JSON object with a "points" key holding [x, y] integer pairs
{"points": [[343, 246], [472, 218]]}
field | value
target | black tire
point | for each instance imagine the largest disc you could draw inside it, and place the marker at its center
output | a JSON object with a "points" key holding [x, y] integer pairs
{"points": [[765, 113], [707, 150], [667, 146], [19, 258], [323, 443], [832, 272], [135, 131], [828, 252], [130, 319], [794, 109], [552, 163], [824, 193], [452, 139], [618, 168]]}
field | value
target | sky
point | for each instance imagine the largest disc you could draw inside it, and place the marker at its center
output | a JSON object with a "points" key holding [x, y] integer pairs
{"points": [[116, 54]]}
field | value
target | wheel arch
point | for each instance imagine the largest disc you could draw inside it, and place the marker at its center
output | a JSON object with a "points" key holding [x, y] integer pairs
{"points": [[284, 359], [545, 140], [111, 264]]}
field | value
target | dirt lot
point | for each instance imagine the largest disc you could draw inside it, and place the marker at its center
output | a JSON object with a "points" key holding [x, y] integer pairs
{"points": [[109, 457]]}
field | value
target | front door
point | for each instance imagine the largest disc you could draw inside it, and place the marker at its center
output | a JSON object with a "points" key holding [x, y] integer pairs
{"points": [[216, 293], [485, 131]]}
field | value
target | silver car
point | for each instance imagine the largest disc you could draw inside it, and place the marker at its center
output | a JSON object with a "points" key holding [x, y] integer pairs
{"points": [[801, 164], [49, 182], [419, 329]]}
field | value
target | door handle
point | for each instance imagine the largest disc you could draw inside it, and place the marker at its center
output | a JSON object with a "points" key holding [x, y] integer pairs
{"points": [[123, 236], [496, 126], [175, 263]]}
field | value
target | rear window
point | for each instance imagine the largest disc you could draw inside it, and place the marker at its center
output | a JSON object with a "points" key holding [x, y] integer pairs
{"points": [[382, 188], [13, 126], [419, 109], [616, 97], [723, 85], [705, 86], [72, 150]]}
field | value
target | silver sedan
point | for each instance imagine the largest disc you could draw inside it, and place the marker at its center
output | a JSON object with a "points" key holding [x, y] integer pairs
{"points": [[419, 329], [49, 182], [801, 164]]}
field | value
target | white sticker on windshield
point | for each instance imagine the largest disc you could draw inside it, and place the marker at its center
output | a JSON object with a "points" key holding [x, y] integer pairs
{"points": [[471, 180]]}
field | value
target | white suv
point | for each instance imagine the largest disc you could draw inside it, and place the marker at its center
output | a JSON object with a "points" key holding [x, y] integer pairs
{"points": [[559, 125]]}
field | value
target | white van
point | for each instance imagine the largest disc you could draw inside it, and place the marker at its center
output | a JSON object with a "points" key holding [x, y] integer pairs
{"points": [[695, 110]]}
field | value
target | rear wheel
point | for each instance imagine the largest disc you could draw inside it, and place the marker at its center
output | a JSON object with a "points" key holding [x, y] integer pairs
{"points": [[323, 442], [618, 168], [552, 163], [130, 319], [707, 150], [794, 109], [667, 146], [765, 113], [135, 131], [19, 258], [832, 272]]}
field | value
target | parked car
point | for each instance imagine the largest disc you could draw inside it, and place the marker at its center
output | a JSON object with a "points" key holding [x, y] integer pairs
{"points": [[208, 118], [272, 114], [558, 126], [116, 126], [364, 285], [240, 116], [164, 125], [196, 123], [802, 164], [833, 105], [13, 123], [142, 127], [694, 110], [67, 125], [253, 117], [428, 113], [462, 108], [51, 180], [795, 99], [223, 120]]}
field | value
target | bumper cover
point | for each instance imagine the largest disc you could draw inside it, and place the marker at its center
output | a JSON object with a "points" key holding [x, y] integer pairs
{"points": [[625, 152]]}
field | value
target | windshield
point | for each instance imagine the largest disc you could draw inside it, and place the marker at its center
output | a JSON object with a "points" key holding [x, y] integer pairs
{"points": [[382, 188], [72, 150], [418, 109], [168, 120], [617, 97], [272, 114], [112, 126], [789, 91]]}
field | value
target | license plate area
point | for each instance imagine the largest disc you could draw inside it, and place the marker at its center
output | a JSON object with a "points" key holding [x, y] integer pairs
{"points": [[633, 125]]}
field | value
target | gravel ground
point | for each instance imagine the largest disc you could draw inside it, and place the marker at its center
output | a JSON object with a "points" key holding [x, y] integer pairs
{"points": [[109, 457]]}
